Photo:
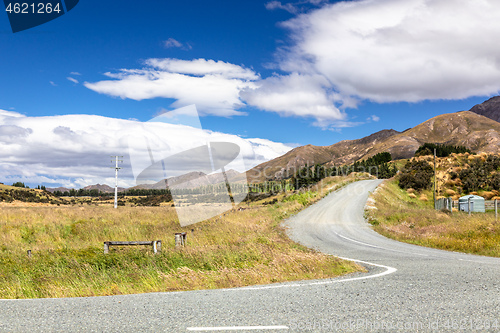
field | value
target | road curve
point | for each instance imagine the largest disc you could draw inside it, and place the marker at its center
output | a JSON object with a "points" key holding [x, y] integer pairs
{"points": [[407, 288]]}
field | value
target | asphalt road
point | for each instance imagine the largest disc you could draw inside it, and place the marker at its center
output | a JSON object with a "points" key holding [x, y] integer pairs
{"points": [[407, 288]]}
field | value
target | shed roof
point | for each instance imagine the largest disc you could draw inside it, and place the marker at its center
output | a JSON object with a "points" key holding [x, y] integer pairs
{"points": [[471, 196]]}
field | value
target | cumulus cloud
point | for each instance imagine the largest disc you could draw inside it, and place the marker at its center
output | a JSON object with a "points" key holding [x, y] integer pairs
{"points": [[74, 150], [214, 86], [295, 95], [391, 50], [338, 55], [11, 133]]}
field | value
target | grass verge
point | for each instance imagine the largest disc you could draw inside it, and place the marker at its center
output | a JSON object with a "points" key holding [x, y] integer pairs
{"points": [[396, 214], [245, 246]]}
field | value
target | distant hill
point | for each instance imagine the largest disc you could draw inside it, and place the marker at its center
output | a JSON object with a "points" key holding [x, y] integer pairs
{"points": [[194, 179], [465, 128], [342, 152], [489, 109], [103, 188], [54, 189]]}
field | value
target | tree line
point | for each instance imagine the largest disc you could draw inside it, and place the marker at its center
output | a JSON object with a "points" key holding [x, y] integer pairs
{"points": [[442, 150], [377, 165], [97, 193]]}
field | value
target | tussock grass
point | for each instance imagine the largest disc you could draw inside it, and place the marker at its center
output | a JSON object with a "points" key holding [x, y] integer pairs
{"points": [[245, 246], [404, 217]]}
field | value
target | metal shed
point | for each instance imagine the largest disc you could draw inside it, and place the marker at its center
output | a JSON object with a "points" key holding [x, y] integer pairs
{"points": [[476, 203]]}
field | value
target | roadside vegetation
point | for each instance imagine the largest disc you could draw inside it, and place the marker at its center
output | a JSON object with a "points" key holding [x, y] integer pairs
{"points": [[245, 246], [409, 216], [457, 175]]}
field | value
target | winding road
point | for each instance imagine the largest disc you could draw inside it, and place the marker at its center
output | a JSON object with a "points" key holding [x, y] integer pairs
{"points": [[406, 288]]}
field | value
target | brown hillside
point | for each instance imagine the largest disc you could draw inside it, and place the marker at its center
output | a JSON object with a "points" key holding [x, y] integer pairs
{"points": [[489, 109], [340, 153], [468, 129]]}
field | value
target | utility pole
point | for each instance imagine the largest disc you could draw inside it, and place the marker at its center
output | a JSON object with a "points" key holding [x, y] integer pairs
{"points": [[116, 177], [435, 189]]}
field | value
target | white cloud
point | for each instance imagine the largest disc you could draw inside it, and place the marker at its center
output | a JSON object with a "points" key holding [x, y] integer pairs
{"points": [[9, 114], [75, 81], [74, 150], [292, 7], [278, 5], [340, 54], [11, 133], [171, 42], [373, 118], [295, 95], [392, 50], [52, 83], [202, 67], [213, 86], [75, 73]]}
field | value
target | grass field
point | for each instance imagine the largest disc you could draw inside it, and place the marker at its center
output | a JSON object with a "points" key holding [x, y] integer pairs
{"points": [[246, 246], [412, 218]]}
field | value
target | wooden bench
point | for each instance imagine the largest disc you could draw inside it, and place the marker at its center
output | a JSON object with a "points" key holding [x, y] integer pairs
{"points": [[155, 244]]}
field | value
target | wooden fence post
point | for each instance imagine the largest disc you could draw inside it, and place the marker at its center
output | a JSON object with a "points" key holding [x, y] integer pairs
{"points": [[496, 210], [29, 253], [468, 205], [180, 239], [106, 247], [156, 246]]}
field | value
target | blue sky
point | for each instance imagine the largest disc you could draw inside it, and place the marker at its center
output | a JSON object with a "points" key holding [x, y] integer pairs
{"points": [[290, 72]]}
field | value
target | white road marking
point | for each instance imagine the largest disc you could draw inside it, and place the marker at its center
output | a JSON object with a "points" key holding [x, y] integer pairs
{"points": [[236, 328], [377, 247], [389, 270]]}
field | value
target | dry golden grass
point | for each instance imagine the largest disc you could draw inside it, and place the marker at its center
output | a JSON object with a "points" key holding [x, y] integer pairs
{"points": [[406, 219], [450, 192], [245, 246], [423, 197]]}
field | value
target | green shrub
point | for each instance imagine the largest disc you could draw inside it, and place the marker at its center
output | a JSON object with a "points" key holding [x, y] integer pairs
{"points": [[481, 175], [416, 175]]}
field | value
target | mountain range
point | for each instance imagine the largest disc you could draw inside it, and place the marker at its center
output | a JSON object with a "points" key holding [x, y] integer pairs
{"points": [[477, 129], [102, 188], [194, 180]]}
